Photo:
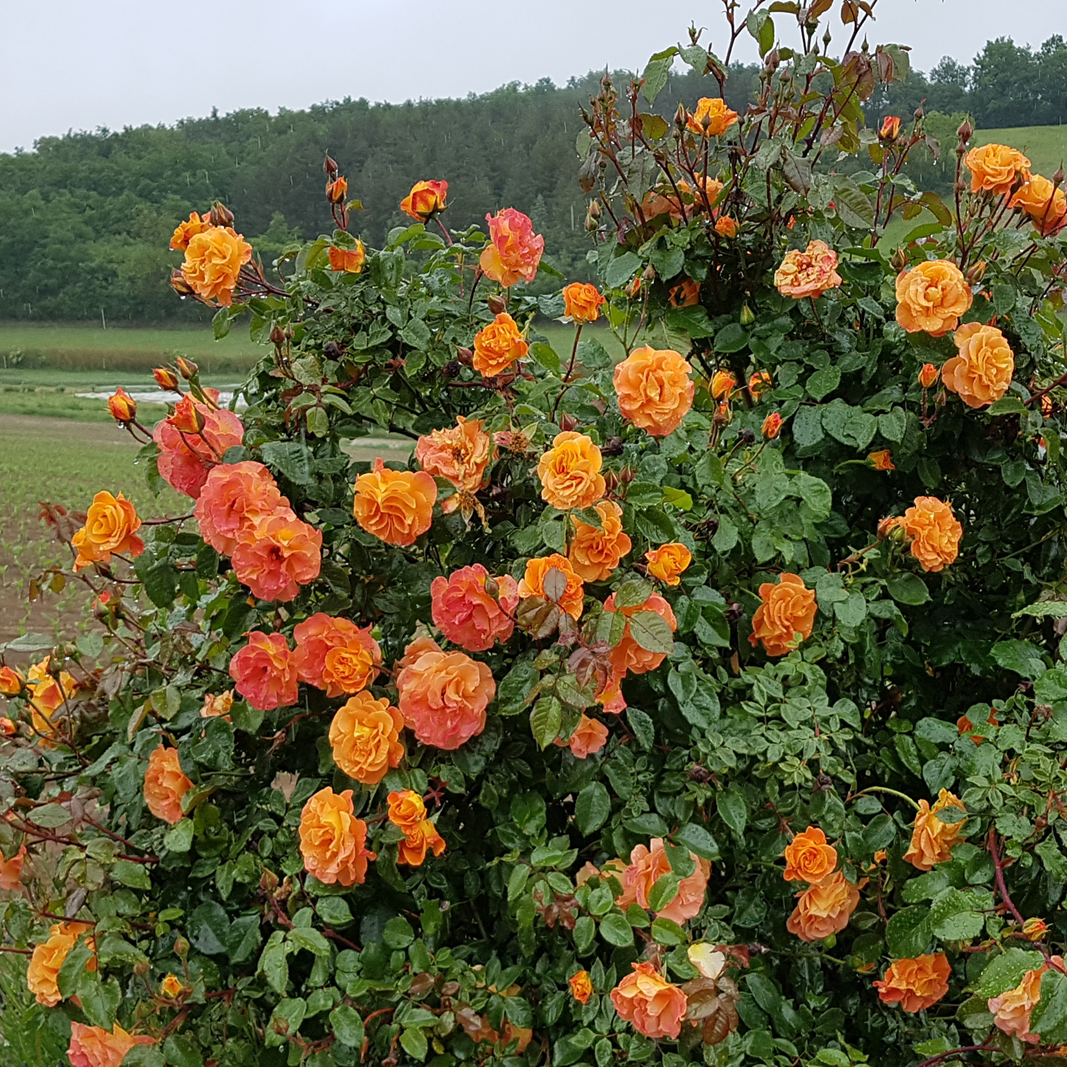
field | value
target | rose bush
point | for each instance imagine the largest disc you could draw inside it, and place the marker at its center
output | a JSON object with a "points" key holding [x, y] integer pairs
{"points": [[695, 692]]}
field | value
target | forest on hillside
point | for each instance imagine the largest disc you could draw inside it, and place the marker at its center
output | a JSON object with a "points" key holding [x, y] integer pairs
{"points": [[85, 218]]}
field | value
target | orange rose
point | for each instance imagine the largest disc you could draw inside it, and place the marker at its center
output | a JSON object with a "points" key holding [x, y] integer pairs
{"points": [[882, 460], [654, 389], [759, 383], [581, 302], [265, 672], [655, 1007], [335, 654], [213, 261], [787, 610], [808, 273], [406, 810], [726, 226], [394, 506], [233, 501], [48, 695], [712, 117], [514, 251], [594, 553], [443, 697], [934, 532], [928, 375], [91, 1046], [186, 231], [122, 406], [47, 958], [364, 737], [332, 840], [931, 297], [1043, 202], [916, 984], [278, 556], [425, 200], [337, 190], [497, 346], [111, 526], [349, 260], [646, 867], [7, 727], [216, 707], [628, 657], [533, 583], [11, 870], [11, 682], [685, 295], [824, 909], [932, 839], [468, 614], [668, 562], [723, 384], [994, 168], [589, 737], [581, 986], [808, 858], [570, 472], [772, 426], [408, 813], [982, 371], [1012, 1009], [460, 454], [165, 784], [416, 649]]}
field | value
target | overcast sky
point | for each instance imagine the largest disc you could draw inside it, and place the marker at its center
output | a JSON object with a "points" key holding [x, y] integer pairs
{"points": [[75, 64]]}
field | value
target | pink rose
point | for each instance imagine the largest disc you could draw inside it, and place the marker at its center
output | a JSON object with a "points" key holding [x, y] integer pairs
{"points": [[468, 614], [265, 672]]}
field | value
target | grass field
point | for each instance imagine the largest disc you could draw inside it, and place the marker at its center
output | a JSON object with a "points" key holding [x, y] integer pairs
{"points": [[1044, 146]]}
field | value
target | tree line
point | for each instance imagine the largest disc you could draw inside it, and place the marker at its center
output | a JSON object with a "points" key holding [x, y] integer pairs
{"points": [[85, 219]]}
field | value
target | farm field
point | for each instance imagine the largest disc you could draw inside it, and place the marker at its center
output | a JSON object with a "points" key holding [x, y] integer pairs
{"points": [[1044, 146]]}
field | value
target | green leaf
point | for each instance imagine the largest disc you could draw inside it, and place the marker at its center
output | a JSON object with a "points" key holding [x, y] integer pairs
{"points": [[347, 1026], [1021, 657], [1007, 405], [621, 269], [592, 808], [181, 1052], [135, 875], [546, 720], [880, 832], [1044, 609], [908, 932], [698, 840], [907, 588], [643, 727], [161, 584], [632, 593], [731, 338], [291, 459], [1005, 972], [953, 916], [335, 911], [414, 1043], [274, 965], [807, 426], [666, 932], [664, 891], [398, 933], [655, 78], [823, 382], [179, 838], [652, 632], [1049, 1017], [515, 687], [854, 207], [615, 930], [733, 811]]}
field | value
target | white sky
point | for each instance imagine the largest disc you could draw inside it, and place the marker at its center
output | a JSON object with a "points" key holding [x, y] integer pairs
{"points": [[82, 64]]}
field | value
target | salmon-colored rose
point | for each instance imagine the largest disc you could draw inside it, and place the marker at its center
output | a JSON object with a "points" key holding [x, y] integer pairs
{"points": [[931, 297], [772, 426], [934, 532], [725, 226], [349, 260], [111, 526], [581, 986], [537, 571], [628, 657], [234, 499], [994, 168], [882, 460], [1012, 1009], [609, 696], [514, 251], [712, 117], [216, 707], [468, 614], [928, 375], [43, 971], [335, 654], [185, 458], [589, 737], [333, 841], [443, 697], [581, 302], [654, 389], [668, 562], [265, 672], [415, 649], [723, 383], [460, 455], [787, 609], [570, 472], [213, 261], [685, 295], [277, 557], [595, 553], [122, 406], [680, 201], [364, 737], [186, 231], [916, 984], [655, 1007], [808, 273], [1043, 202], [824, 909], [498, 345], [931, 839], [425, 200], [647, 866], [11, 682], [165, 784], [394, 506], [808, 858], [91, 1046], [408, 813], [982, 371], [11, 870], [48, 695]]}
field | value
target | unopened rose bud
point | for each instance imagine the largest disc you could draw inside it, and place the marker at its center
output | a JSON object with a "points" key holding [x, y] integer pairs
{"points": [[1057, 178], [899, 260], [122, 406], [337, 190], [496, 304], [277, 336], [11, 682], [772, 426], [181, 947], [7, 727], [567, 423], [724, 413], [890, 130], [179, 284], [723, 384], [759, 383], [187, 368], [748, 316], [772, 60], [187, 417], [171, 987], [220, 215], [928, 375], [965, 131], [919, 113], [681, 116], [329, 166], [166, 379], [633, 288], [976, 273], [464, 356], [268, 881], [592, 216], [141, 968], [1035, 929]]}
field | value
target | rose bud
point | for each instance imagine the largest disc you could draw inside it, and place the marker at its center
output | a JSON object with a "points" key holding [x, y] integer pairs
{"points": [[772, 426], [890, 130], [928, 375], [220, 215], [180, 285], [337, 190], [166, 379], [122, 406]]}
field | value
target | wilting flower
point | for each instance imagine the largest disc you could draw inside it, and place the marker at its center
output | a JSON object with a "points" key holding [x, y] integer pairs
{"points": [[994, 168], [685, 295], [982, 371], [337, 190], [711, 118], [48, 694], [11, 870], [647, 866], [443, 697], [758, 384], [570, 472], [333, 842], [265, 672], [808, 273], [824, 909], [1012, 1009], [723, 384], [668, 562], [654, 1006], [213, 261], [808, 858], [468, 614], [425, 200], [916, 984], [217, 707], [581, 986], [595, 553], [460, 454], [514, 251], [186, 231], [934, 532], [165, 784], [787, 609], [498, 345], [581, 302], [882, 460], [92, 1046], [171, 986], [111, 526], [537, 573], [349, 260], [931, 297], [11, 682], [365, 738], [654, 389], [394, 506], [931, 839]]}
